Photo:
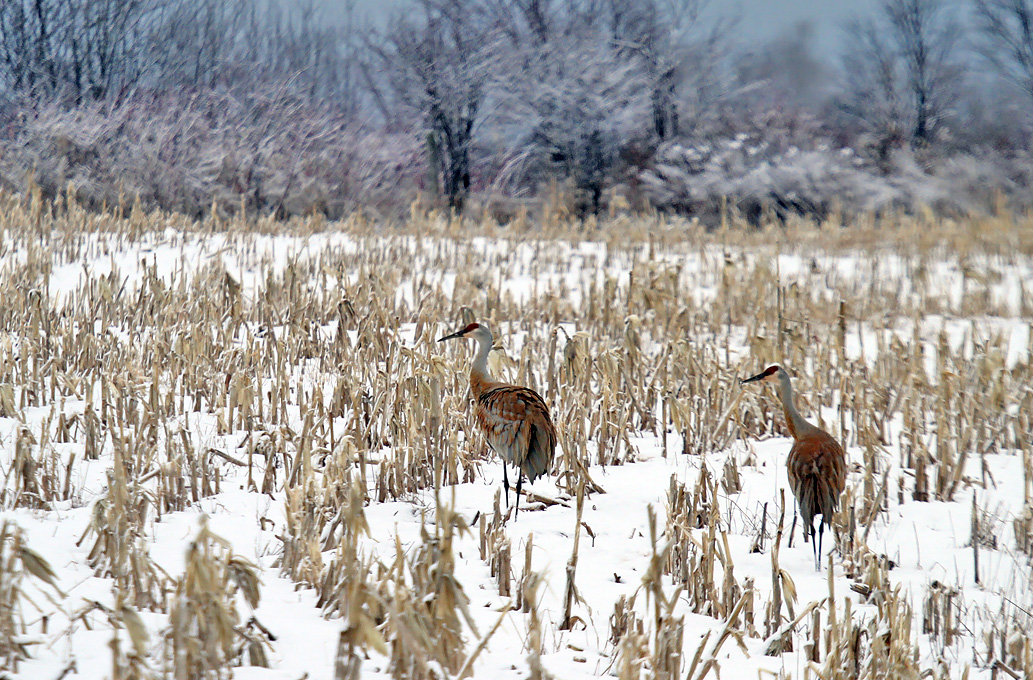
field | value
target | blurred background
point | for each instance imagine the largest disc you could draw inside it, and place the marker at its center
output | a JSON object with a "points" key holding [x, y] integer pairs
{"points": [[692, 107]]}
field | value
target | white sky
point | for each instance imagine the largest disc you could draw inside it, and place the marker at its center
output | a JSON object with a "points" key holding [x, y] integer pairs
{"points": [[759, 20], [762, 20]]}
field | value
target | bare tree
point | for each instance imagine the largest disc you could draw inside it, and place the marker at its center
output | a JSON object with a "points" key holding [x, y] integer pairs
{"points": [[300, 46], [348, 87], [901, 69], [573, 91], [927, 40], [586, 85], [98, 49], [651, 31], [873, 92], [87, 49], [675, 54], [438, 65], [578, 107], [1006, 32], [28, 46], [203, 43], [102, 44]]}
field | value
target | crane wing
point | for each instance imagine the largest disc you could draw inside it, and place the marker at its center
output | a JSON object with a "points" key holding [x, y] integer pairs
{"points": [[817, 475], [517, 426]]}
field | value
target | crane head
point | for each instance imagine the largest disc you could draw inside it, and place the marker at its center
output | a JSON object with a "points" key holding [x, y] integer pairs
{"points": [[471, 330], [769, 373]]}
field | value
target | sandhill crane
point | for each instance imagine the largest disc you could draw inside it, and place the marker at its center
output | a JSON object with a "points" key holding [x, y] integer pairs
{"points": [[515, 419], [816, 464]]}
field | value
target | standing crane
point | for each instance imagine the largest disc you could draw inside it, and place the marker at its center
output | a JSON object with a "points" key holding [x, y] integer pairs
{"points": [[816, 464], [515, 419]]}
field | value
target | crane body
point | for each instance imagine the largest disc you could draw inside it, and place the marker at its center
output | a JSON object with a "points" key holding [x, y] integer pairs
{"points": [[515, 420], [816, 463]]}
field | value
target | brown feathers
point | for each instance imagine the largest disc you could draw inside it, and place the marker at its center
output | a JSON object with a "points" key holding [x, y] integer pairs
{"points": [[516, 423], [817, 475], [515, 419], [816, 463]]}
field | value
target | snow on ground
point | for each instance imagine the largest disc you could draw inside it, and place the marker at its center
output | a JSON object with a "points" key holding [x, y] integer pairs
{"points": [[926, 541]]}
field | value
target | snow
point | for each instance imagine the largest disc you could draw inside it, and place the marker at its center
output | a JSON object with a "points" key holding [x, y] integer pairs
{"points": [[926, 541]]}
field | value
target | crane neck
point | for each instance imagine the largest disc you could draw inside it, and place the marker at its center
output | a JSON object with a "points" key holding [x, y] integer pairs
{"points": [[797, 425], [479, 369]]}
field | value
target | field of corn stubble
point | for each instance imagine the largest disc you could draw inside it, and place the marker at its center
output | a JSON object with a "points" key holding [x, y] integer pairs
{"points": [[234, 448]]}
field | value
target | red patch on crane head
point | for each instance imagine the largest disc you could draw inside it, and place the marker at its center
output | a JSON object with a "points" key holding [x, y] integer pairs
{"points": [[764, 375], [462, 333]]}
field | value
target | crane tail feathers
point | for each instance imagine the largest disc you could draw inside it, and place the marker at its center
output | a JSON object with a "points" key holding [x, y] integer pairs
{"points": [[815, 497], [540, 451]]}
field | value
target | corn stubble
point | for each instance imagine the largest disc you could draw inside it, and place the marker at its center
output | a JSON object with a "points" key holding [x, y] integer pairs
{"points": [[18, 562], [328, 392]]}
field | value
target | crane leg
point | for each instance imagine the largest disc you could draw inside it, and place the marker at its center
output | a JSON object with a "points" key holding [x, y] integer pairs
{"points": [[821, 533], [811, 536], [796, 515], [505, 482], [520, 478]]}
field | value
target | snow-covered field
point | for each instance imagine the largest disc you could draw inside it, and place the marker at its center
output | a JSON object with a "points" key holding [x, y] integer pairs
{"points": [[163, 384]]}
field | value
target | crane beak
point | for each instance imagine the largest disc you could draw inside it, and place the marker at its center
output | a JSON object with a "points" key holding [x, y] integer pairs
{"points": [[457, 334], [759, 376]]}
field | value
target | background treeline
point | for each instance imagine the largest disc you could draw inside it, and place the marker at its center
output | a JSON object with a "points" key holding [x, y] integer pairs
{"points": [[500, 104]]}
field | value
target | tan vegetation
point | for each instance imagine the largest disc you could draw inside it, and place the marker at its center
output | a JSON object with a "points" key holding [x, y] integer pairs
{"points": [[314, 362]]}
